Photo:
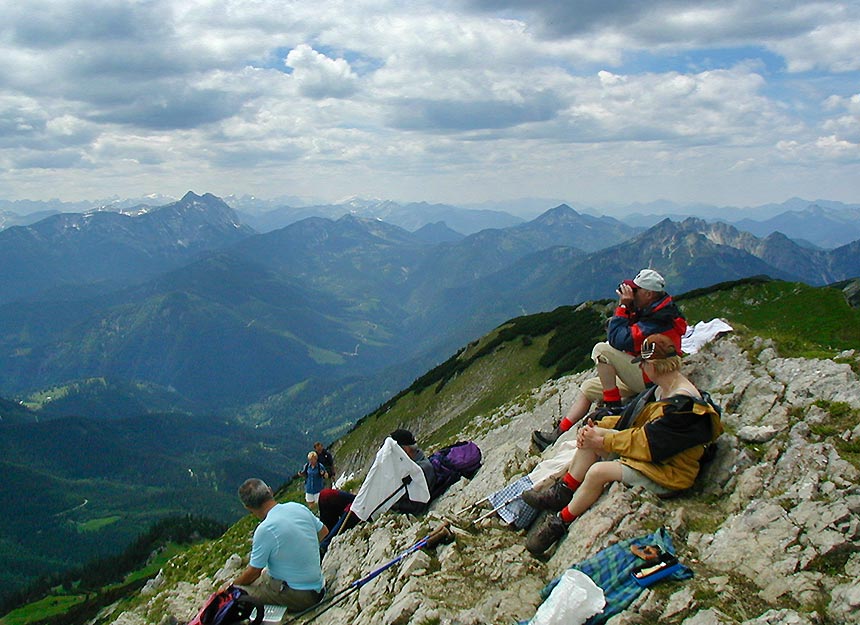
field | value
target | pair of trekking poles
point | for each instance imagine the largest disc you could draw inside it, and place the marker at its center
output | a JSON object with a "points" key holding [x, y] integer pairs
{"points": [[439, 535]]}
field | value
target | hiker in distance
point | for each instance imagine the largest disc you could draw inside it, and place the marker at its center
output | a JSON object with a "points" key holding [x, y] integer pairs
{"points": [[644, 308], [285, 559], [326, 459], [407, 443], [314, 473], [657, 442]]}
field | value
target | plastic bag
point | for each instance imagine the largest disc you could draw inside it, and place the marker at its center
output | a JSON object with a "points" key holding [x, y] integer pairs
{"points": [[574, 600]]}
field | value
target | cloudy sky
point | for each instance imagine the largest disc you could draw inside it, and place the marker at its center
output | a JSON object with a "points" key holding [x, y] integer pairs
{"points": [[735, 102]]}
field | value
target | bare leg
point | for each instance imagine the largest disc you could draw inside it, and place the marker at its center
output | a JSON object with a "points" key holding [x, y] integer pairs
{"points": [[578, 409], [596, 477], [582, 461]]}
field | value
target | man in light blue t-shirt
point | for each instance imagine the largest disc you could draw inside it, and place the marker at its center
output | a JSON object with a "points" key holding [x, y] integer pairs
{"points": [[285, 557]]}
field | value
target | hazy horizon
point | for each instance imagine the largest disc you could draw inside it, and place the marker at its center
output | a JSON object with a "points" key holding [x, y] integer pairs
{"points": [[525, 207]]}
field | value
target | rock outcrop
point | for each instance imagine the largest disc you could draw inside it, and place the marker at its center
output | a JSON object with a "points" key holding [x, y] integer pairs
{"points": [[771, 530]]}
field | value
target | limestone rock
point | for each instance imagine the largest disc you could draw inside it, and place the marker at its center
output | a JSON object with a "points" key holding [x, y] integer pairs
{"points": [[845, 602], [757, 433], [681, 601], [768, 516], [780, 617], [711, 616], [232, 567]]}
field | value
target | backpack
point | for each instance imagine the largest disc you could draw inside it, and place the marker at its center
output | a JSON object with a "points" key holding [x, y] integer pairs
{"points": [[462, 459], [230, 606], [710, 451]]}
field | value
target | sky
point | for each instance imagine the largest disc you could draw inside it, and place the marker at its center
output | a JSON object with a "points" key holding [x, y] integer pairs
{"points": [[738, 102]]}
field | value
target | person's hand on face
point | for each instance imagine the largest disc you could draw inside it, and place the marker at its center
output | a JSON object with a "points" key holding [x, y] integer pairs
{"points": [[626, 295]]}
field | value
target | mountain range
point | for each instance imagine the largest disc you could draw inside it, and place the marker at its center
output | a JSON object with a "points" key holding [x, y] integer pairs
{"points": [[186, 299], [107, 247], [820, 223], [120, 329]]}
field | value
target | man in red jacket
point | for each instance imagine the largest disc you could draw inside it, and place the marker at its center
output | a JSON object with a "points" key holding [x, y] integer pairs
{"points": [[644, 308]]}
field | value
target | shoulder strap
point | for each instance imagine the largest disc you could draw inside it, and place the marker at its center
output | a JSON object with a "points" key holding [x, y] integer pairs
{"points": [[632, 410], [706, 397]]}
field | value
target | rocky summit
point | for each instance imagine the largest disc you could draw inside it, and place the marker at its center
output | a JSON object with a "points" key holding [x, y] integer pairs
{"points": [[771, 531]]}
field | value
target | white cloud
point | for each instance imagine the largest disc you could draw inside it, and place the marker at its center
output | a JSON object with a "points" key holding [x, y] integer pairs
{"points": [[461, 100], [318, 76], [831, 47]]}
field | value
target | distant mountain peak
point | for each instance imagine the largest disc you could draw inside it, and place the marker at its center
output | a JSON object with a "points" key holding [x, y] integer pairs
{"points": [[437, 232], [562, 211], [190, 196]]}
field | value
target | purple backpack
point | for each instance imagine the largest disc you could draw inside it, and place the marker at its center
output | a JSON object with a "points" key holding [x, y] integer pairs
{"points": [[462, 459]]}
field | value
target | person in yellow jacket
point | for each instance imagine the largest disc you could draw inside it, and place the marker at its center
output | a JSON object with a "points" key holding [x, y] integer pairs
{"points": [[657, 442]]}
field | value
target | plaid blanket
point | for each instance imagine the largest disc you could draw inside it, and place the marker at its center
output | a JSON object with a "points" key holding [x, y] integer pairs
{"points": [[610, 569], [514, 510]]}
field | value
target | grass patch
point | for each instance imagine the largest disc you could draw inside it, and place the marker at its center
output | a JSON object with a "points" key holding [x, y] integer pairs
{"points": [[740, 600], [779, 311], [833, 563], [51, 605], [842, 418], [95, 525]]}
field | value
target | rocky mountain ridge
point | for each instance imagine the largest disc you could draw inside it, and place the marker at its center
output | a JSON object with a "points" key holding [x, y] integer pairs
{"points": [[771, 530], [76, 250]]}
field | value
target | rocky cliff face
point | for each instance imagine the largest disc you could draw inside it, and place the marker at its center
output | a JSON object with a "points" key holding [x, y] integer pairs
{"points": [[771, 531]]}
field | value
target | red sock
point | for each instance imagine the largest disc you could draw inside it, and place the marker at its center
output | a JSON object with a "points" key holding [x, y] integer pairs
{"points": [[571, 482], [612, 394], [566, 516], [565, 424]]}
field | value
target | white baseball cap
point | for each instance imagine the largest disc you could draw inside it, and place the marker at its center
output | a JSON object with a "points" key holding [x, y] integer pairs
{"points": [[650, 280]]}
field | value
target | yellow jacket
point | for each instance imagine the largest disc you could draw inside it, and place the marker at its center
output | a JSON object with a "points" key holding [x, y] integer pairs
{"points": [[665, 440]]}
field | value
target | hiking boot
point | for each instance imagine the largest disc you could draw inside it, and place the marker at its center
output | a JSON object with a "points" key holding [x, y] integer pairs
{"points": [[548, 534], [544, 438], [611, 405], [553, 498]]}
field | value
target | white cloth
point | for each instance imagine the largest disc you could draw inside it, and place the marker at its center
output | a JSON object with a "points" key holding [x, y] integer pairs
{"points": [[385, 477], [701, 333], [559, 457]]}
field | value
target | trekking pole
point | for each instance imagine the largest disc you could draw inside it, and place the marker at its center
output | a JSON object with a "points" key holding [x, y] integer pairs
{"points": [[474, 505], [432, 539], [497, 508], [407, 480]]}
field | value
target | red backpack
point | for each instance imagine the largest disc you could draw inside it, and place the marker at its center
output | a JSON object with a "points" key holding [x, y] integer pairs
{"points": [[230, 606]]}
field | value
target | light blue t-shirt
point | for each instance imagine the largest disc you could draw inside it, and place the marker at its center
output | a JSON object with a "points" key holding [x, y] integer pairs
{"points": [[287, 542]]}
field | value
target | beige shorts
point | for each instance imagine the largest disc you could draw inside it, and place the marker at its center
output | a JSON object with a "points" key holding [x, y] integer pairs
{"points": [[312, 497], [628, 376], [632, 477]]}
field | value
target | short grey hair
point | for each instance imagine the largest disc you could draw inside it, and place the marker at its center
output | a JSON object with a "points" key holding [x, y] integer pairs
{"points": [[254, 492]]}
